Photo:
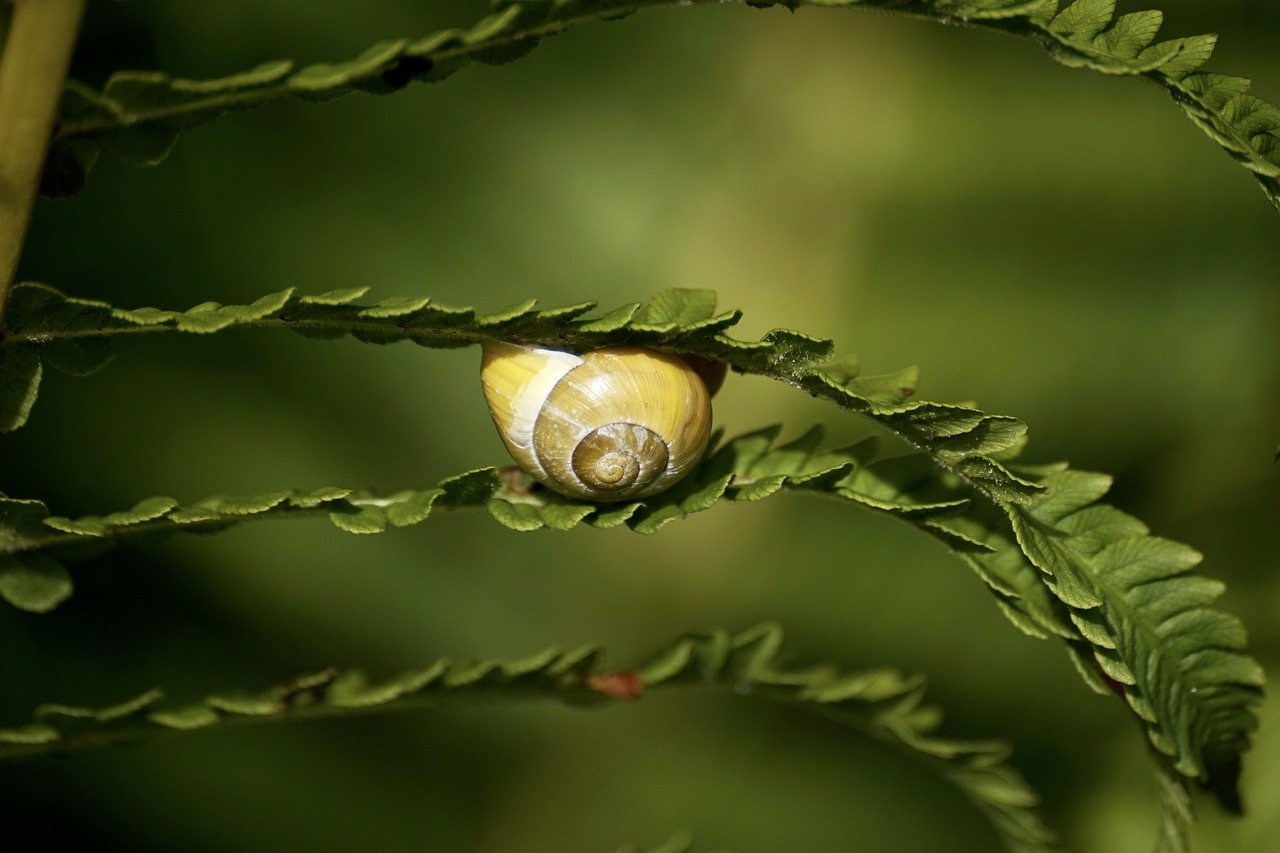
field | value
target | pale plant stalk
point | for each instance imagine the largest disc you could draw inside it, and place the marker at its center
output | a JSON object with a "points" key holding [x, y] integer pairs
{"points": [[33, 69]]}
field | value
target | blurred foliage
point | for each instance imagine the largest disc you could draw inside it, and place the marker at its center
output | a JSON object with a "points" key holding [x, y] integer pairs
{"points": [[879, 181]]}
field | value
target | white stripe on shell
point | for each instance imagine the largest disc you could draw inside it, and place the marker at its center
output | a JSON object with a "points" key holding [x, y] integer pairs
{"points": [[526, 403]]}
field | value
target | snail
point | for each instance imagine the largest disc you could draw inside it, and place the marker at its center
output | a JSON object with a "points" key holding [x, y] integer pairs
{"points": [[614, 424]]}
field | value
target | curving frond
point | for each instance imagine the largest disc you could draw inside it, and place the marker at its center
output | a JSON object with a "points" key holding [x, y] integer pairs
{"points": [[139, 115], [883, 703], [1179, 664], [1132, 615], [749, 468], [45, 326]]}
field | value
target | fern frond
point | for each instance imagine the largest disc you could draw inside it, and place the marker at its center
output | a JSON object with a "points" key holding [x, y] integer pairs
{"points": [[140, 114], [961, 486], [1180, 665], [751, 467], [45, 326], [1130, 595], [1087, 34], [746, 469], [882, 702]]}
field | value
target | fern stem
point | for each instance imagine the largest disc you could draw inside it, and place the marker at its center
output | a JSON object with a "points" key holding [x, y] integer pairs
{"points": [[32, 72]]}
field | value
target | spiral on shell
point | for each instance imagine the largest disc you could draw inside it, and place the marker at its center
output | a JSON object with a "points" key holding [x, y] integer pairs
{"points": [[614, 424]]}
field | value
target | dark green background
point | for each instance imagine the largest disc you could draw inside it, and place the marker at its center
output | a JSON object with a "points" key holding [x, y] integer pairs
{"points": [[1054, 244]]}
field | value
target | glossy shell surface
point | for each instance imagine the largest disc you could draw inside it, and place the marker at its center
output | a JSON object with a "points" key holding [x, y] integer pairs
{"points": [[614, 424]]}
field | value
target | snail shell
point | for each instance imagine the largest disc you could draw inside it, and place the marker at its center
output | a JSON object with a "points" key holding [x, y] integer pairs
{"points": [[614, 424]]}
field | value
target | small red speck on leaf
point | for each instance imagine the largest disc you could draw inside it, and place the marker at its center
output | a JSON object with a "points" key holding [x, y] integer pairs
{"points": [[907, 392], [618, 685]]}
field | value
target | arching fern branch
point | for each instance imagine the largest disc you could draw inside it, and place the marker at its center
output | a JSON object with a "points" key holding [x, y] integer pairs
{"points": [[47, 328], [882, 703], [140, 114], [1060, 564], [749, 468]]}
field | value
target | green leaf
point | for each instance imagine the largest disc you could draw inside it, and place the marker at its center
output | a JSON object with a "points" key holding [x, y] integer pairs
{"points": [[882, 702], [359, 519], [1180, 665], [610, 322], [677, 307], [33, 582], [169, 106], [887, 389], [139, 115], [1036, 536], [112, 713], [20, 373], [1176, 811], [746, 469], [73, 333], [1083, 20], [145, 510], [23, 354]]}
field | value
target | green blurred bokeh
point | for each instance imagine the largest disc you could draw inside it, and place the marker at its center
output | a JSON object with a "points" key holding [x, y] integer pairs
{"points": [[1053, 244]]}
